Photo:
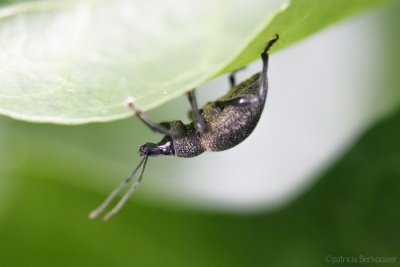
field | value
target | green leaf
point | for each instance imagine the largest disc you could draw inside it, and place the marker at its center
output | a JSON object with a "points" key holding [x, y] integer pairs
{"points": [[300, 20], [74, 62]]}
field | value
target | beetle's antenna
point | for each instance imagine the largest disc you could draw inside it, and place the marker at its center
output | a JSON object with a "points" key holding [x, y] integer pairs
{"points": [[106, 202], [129, 193]]}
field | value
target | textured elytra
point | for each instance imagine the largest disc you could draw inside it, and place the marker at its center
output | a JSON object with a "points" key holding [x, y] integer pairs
{"points": [[231, 125]]}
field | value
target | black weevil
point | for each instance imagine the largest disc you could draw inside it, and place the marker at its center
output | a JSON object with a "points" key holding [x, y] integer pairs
{"points": [[217, 126]]}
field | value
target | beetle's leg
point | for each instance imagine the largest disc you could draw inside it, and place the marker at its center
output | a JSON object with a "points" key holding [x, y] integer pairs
{"points": [[240, 101], [263, 77], [249, 100], [199, 123], [163, 128], [232, 78]]}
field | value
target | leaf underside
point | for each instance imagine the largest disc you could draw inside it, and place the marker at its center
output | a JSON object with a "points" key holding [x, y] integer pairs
{"points": [[73, 62]]}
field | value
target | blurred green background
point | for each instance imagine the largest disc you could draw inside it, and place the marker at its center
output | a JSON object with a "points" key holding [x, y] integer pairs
{"points": [[49, 183]]}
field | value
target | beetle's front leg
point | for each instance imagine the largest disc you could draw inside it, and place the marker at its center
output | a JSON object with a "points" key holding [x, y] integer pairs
{"points": [[163, 128]]}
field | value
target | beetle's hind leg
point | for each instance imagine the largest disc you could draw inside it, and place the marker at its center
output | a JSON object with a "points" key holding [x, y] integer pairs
{"points": [[240, 101], [252, 100]]}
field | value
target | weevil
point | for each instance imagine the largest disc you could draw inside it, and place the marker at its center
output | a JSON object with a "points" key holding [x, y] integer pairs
{"points": [[217, 126]]}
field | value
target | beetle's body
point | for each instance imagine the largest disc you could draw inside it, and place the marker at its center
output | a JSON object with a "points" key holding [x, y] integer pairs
{"points": [[229, 126], [218, 126], [226, 127]]}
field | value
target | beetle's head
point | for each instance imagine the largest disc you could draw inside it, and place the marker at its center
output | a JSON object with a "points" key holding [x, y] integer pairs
{"points": [[164, 148]]}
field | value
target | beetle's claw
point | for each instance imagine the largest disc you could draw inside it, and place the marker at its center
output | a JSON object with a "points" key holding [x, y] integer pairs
{"points": [[129, 101]]}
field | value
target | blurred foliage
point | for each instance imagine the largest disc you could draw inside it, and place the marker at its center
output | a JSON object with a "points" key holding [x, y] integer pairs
{"points": [[351, 210]]}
